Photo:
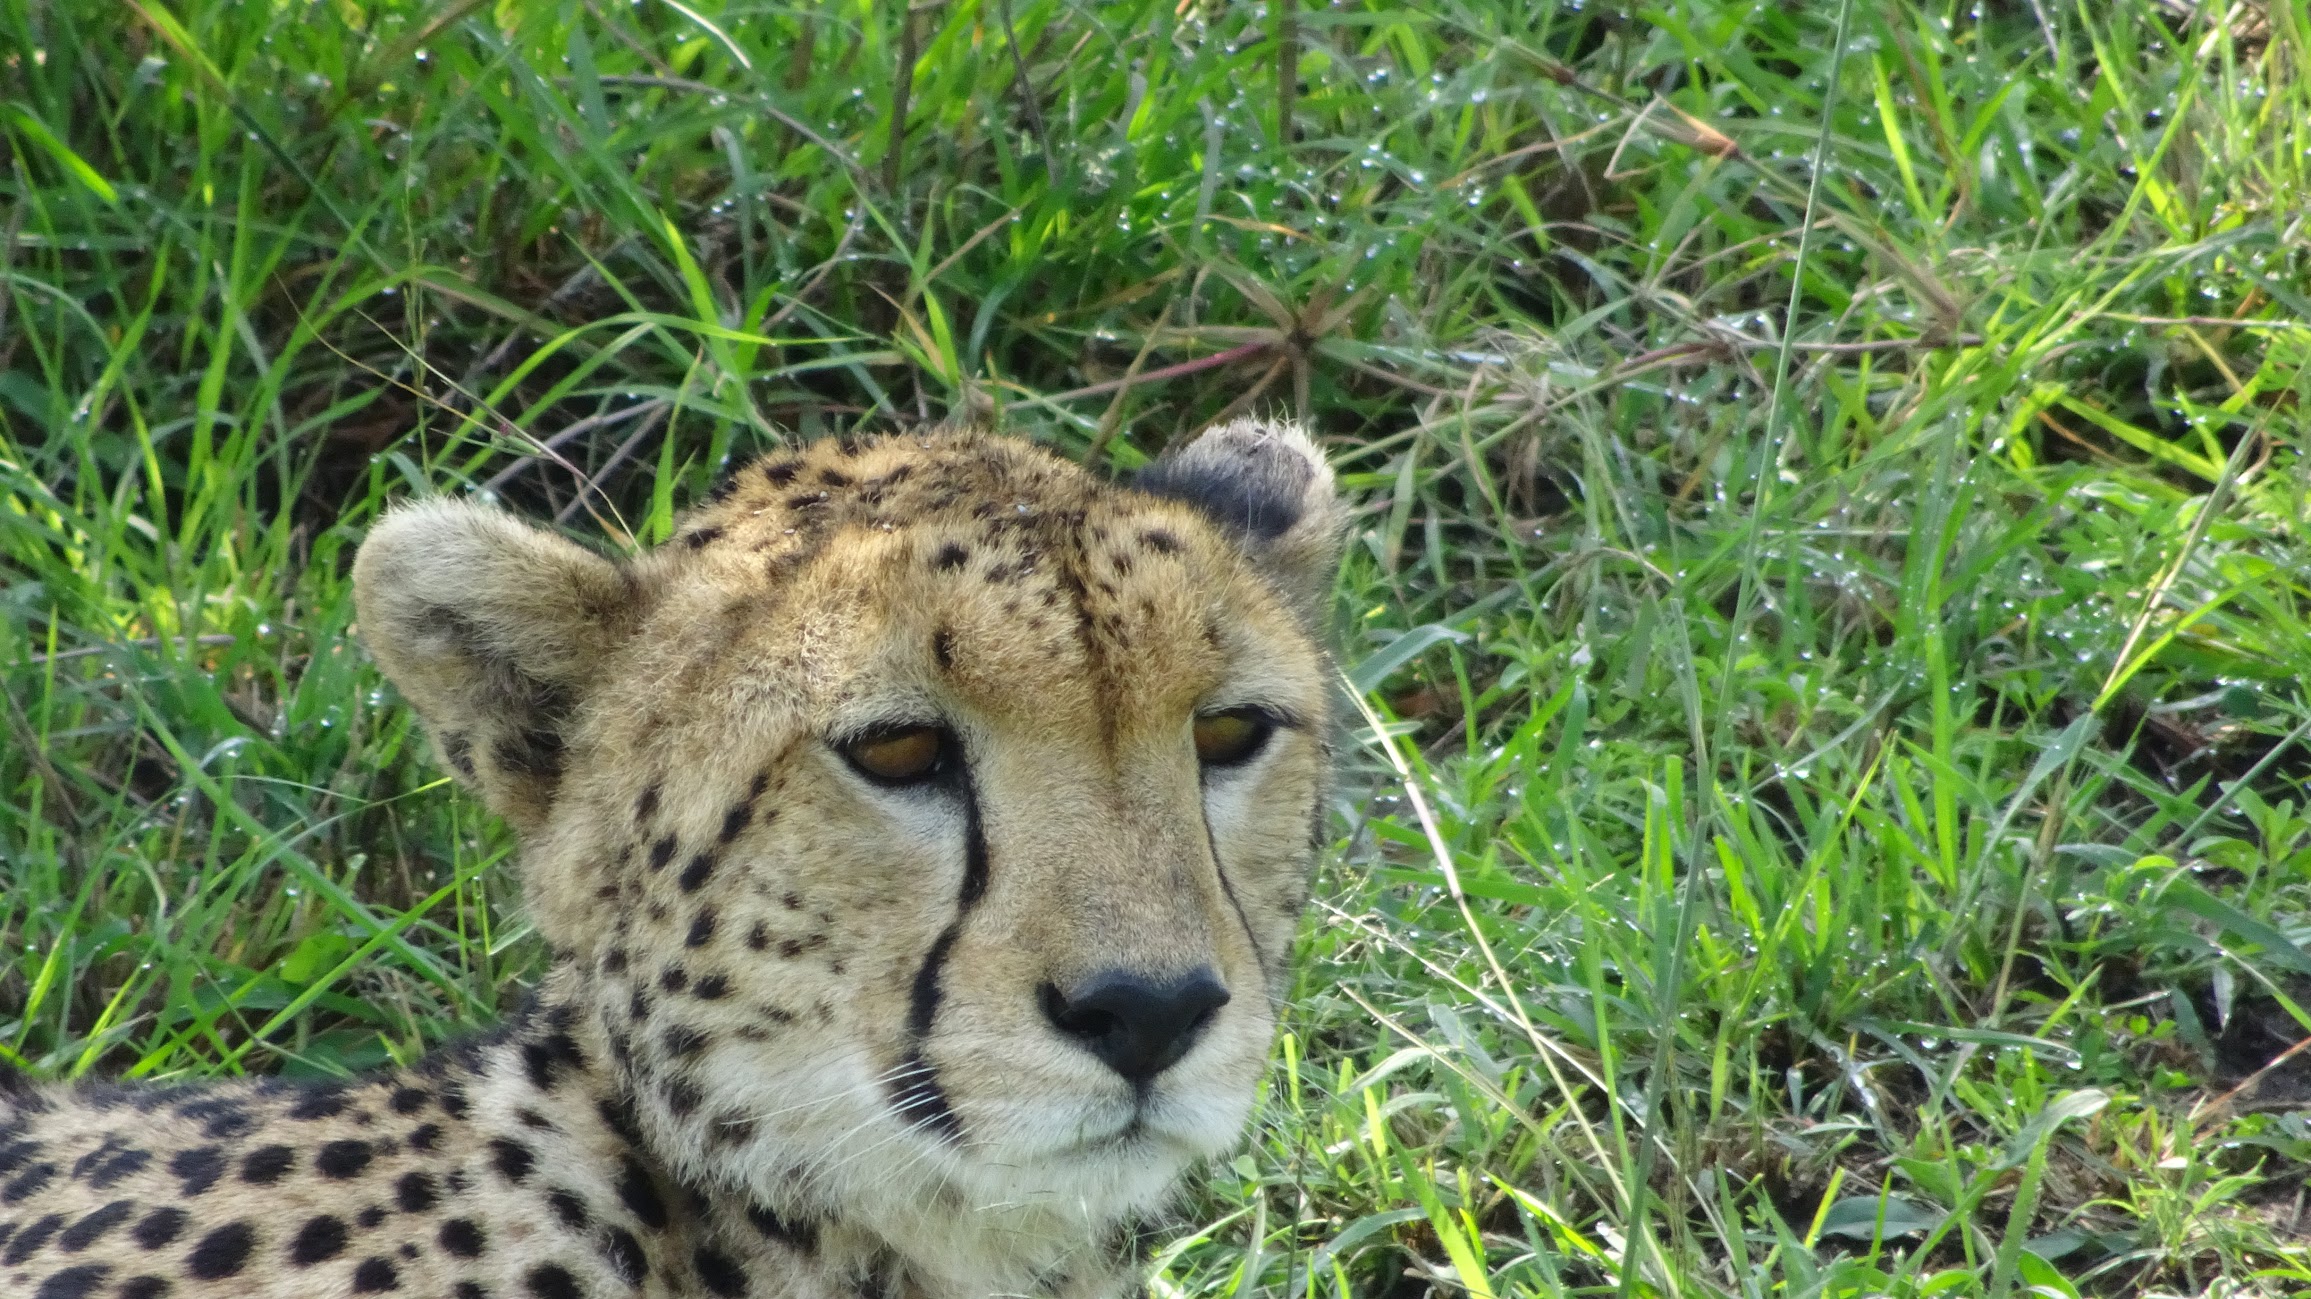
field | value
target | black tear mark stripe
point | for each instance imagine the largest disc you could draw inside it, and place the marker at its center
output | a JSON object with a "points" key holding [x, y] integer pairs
{"points": [[974, 848], [915, 1090], [1227, 886]]}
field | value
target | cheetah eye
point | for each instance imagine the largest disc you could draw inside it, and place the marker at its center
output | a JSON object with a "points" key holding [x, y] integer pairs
{"points": [[1229, 738], [902, 755]]}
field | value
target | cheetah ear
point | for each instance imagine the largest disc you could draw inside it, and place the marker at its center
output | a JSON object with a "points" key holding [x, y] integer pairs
{"points": [[493, 630], [1266, 483]]}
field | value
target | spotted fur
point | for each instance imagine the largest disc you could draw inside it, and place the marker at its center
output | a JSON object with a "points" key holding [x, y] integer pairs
{"points": [[806, 1034]]}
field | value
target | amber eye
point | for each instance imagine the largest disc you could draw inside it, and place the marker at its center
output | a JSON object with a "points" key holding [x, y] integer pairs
{"points": [[906, 755], [1225, 739]]}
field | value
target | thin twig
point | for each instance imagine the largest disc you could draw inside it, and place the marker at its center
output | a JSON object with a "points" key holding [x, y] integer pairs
{"points": [[818, 277], [2209, 1109], [1244, 403], [1287, 68], [148, 642], [2222, 322], [1212, 362], [1113, 419], [605, 419], [977, 237], [1026, 90], [909, 38], [1442, 853], [592, 482]]}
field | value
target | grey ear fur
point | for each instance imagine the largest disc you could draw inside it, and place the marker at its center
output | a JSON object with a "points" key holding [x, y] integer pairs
{"points": [[492, 629], [1267, 484]]}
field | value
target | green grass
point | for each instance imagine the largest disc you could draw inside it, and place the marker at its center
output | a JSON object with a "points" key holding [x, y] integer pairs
{"points": [[1832, 574]]}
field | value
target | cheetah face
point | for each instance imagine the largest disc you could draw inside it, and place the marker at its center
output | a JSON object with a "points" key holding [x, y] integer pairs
{"points": [[929, 818]]}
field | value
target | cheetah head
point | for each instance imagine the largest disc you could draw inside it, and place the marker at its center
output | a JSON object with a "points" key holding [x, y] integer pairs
{"points": [[927, 821]]}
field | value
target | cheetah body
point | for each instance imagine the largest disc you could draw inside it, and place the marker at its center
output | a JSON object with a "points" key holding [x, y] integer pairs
{"points": [[810, 1031]]}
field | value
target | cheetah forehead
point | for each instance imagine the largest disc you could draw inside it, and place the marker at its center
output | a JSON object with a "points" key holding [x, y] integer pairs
{"points": [[1019, 575]]}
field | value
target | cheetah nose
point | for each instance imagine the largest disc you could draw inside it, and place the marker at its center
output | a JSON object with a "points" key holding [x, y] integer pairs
{"points": [[1138, 1025]]}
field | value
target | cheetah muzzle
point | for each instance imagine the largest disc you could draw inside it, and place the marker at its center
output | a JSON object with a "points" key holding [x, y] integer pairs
{"points": [[920, 833]]}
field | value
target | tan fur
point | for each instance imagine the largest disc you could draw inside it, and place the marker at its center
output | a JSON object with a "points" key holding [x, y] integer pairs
{"points": [[748, 931]]}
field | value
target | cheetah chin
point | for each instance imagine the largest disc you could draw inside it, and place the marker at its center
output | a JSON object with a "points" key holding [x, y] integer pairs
{"points": [[920, 833]]}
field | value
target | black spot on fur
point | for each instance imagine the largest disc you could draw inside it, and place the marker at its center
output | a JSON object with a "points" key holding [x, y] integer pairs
{"points": [[617, 1114], [470, 1290], [683, 1096], [319, 1103], [512, 1159], [320, 1239], [28, 1241], [551, 1281], [549, 1054], [457, 747], [713, 987], [735, 821], [646, 806], [1160, 541], [453, 1101], [695, 874], [538, 1063], [223, 1252], [415, 1192], [673, 978], [662, 852], [409, 1100], [109, 1164], [943, 648], [702, 538], [780, 472], [28, 1183], [375, 1276], [144, 1287], [730, 1128], [640, 1196], [425, 1136], [533, 751], [198, 1168], [15, 1154], [342, 1160], [719, 1272], [786, 1231], [758, 937], [267, 1164], [461, 1238], [90, 1229], [701, 928], [683, 1041], [624, 1254], [721, 491], [834, 478], [369, 1217], [568, 1207], [950, 557], [159, 1227], [73, 1282]]}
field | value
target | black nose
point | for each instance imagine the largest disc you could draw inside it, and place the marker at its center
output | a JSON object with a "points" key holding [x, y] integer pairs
{"points": [[1138, 1025]]}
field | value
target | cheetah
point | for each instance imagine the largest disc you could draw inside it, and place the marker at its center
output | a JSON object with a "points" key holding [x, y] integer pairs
{"points": [[920, 834]]}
